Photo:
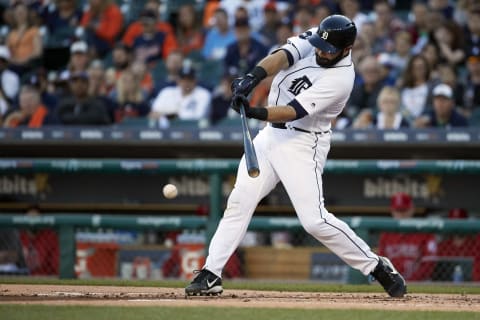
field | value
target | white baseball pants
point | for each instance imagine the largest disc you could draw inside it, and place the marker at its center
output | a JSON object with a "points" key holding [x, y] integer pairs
{"points": [[297, 160]]}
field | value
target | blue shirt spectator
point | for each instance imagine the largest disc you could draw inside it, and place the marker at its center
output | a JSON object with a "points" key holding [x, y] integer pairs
{"points": [[150, 45], [218, 37], [246, 52]]}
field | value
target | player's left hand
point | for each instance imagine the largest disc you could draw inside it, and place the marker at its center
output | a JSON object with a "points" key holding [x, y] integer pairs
{"points": [[244, 85]]}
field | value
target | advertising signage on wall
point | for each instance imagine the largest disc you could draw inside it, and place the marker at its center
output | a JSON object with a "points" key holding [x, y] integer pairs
{"points": [[112, 191]]}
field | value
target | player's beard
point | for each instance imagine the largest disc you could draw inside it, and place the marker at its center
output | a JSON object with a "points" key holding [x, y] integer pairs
{"points": [[327, 63]]}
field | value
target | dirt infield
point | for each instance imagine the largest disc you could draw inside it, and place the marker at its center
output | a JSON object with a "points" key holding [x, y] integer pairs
{"points": [[148, 296]]}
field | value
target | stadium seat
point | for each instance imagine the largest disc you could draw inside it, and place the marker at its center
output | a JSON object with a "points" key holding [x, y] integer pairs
{"points": [[474, 120]]}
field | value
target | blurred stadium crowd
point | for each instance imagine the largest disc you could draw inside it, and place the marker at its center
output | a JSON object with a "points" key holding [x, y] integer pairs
{"points": [[148, 62]]}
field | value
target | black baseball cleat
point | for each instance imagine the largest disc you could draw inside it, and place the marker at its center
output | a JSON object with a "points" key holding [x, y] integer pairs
{"points": [[392, 281], [204, 284]]}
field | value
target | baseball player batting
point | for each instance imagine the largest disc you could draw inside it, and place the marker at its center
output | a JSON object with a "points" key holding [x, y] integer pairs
{"points": [[314, 76]]}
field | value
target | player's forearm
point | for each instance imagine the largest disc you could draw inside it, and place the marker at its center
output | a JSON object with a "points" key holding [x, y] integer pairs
{"points": [[274, 63], [281, 113]]}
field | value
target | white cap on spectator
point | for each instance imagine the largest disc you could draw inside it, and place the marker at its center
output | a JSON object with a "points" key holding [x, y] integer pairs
{"points": [[79, 46], [443, 90], [4, 53]]}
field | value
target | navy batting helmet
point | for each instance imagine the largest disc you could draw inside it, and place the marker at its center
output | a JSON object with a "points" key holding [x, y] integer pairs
{"points": [[335, 33]]}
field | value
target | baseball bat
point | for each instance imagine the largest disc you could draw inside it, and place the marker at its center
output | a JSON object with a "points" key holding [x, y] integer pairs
{"points": [[249, 150]]}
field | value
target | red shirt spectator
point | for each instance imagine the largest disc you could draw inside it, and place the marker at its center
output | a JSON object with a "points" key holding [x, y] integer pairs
{"points": [[413, 254], [40, 249]]}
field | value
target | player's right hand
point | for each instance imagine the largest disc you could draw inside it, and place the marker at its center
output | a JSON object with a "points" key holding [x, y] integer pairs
{"points": [[239, 100], [244, 85]]}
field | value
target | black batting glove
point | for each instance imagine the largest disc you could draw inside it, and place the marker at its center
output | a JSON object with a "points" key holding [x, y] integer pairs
{"points": [[244, 85], [256, 113], [239, 100]]}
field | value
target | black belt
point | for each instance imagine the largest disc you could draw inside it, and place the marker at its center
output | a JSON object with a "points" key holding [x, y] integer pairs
{"points": [[281, 125]]}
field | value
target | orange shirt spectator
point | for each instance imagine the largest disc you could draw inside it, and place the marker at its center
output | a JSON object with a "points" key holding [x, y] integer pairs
{"points": [[24, 41], [22, 44], [105, 18], [209, 13], [32, 112]]}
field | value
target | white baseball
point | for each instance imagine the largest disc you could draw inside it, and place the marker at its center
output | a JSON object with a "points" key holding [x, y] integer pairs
{"points": [[170, 191]]}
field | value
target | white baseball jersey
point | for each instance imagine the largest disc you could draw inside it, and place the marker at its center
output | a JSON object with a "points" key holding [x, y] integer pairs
{"points": [[194, 106], [322, 92], [296, 158]]}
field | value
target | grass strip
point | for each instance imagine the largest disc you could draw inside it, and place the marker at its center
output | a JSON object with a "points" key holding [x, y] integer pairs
{"points": [[42, 312]]}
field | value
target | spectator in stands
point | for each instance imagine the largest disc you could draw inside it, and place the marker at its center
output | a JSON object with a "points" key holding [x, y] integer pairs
{"points": [[31, 112], [79, 59], [302, 20], [40, 248], [388, 116], [386, 69], [460, 245], [386, 24], [443, 113], [401, 54], [40, 81], [218, 37], [190, 36], [80, 108], [151, 45], [431, 53], [143, 76], [415, 87], [412, 254], [121, 60], [447, 75], [418, 27], [173, 64], [24, 41], [102, 22], [365, 91], [472, 32], [97, 85], [129, 97], [185, 101], [322, 10], [253, 10], [61, 19], [361, 49], [269, 27], [449, 39], [472, 87], [283, 32], [442, 6], [209, 10], [221, 99], [246, 52], [9, 80], [351, 9], [136, 28]]}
